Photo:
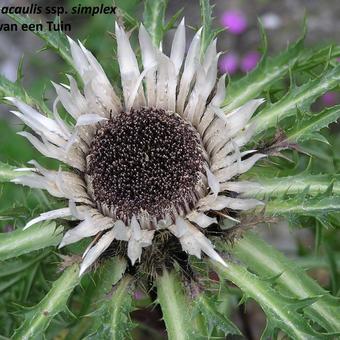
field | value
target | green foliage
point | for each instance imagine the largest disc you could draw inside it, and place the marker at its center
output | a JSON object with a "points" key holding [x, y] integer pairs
{"points": [[23, 280], [112, 318], [38, 318], [94, 296], [206, 19], [270, 187], [268, 71], [10, 89], [316, 261], [282, 312], [300, 97], [313, 57], [20, 241], [272, 69], [291, 280], [307, 125], [154, 13], [206, 306], [175, 306], [304, 205]]}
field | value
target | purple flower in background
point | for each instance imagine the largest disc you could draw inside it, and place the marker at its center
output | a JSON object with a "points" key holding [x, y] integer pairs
{"points": [[329, 99], [250, 60], [138, 295], [229, 63], [235, 21]]}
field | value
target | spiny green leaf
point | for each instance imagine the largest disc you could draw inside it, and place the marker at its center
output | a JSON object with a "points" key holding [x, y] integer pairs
{"points": [[10, 89], [297, 97], [268, 71], [272, 69], [27, 269], [206, 20], [206, 306], [55, 40], [112, 319], [264, 260], [20, 241], [154, 13], [317, 56], [171, 23], [264, 39], [305, 128], [7, 172], [303, 206], [39, 317], [281, 312], [292, 185], [95, 296], [107, 275], [175, 306], [130, 22]]}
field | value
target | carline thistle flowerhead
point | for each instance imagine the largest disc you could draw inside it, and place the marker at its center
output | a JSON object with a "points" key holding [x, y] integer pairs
{"points": [[163, 159]]}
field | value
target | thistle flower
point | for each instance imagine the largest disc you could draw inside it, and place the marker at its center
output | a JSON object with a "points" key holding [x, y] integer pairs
{"points": [[229, 63], [235, 21], [163, 158], [250, 60], [329, 98]]}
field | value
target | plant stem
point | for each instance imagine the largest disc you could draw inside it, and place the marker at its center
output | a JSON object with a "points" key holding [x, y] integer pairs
{"points": [[107, 275], [117, 301], [54, 302], [154, 12], [174, 306]]}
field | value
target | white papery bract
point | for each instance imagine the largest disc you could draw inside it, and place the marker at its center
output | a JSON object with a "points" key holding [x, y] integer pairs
{"points": [[185, 86]]}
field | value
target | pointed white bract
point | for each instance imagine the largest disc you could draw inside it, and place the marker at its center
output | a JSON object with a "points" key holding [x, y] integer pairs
{"points": [[89, 119], [138, 240], [190, 67], [72, 100], [50, 215], [90, 226], [150, 61], [92, 255], [213, 182], [193, 241], [97, 88], [128, 65], [201, 219], [186, 86], [222, 202], [178, 47], [237, 168], [62, 184]]}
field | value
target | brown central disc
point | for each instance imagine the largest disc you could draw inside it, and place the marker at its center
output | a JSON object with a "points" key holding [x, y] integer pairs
{"points": [[146, 159]]}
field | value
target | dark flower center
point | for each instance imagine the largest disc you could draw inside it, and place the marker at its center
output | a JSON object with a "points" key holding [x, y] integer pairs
{"points": [[145, 160]]}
